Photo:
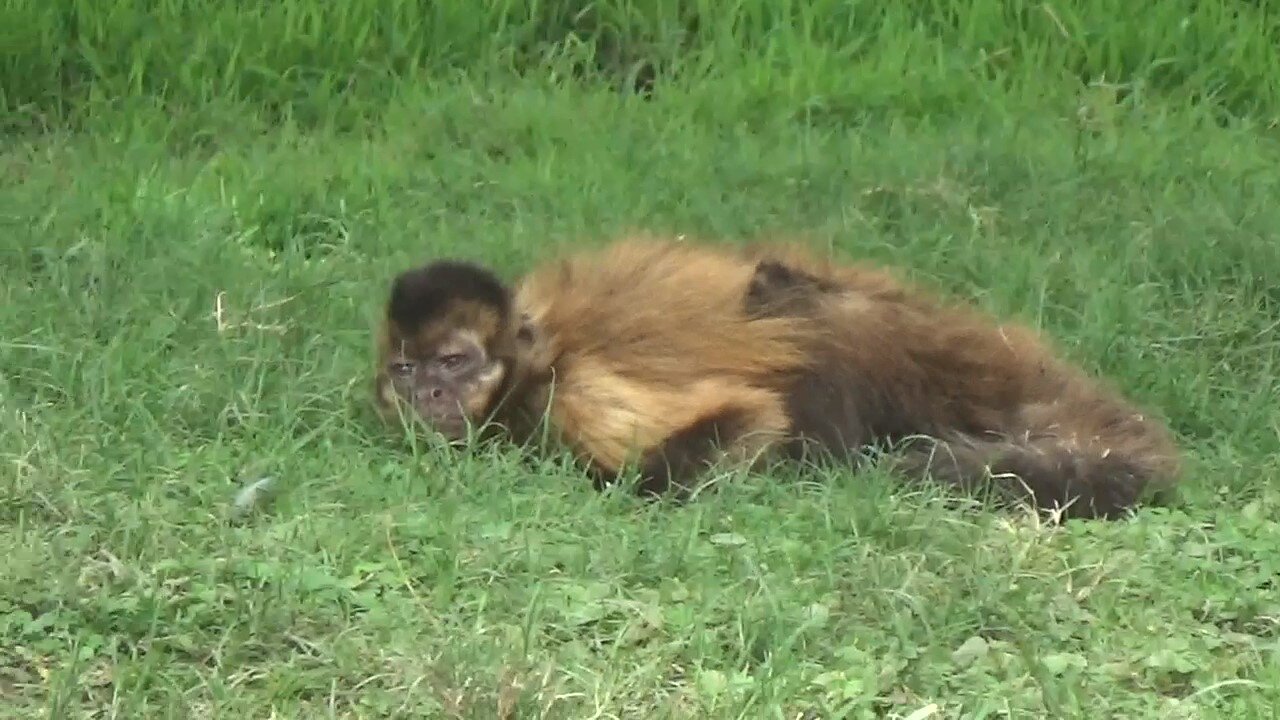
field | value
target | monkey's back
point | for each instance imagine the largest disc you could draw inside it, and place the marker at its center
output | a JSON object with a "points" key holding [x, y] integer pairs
{"points": [[657, 310], [644, 336]]}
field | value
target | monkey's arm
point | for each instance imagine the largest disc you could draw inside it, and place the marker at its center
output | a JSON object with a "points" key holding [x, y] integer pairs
{"points": [[669, 434], [726, 432]]}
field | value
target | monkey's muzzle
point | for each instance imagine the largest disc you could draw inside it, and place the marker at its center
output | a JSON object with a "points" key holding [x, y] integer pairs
{"points": [[442, 411]]}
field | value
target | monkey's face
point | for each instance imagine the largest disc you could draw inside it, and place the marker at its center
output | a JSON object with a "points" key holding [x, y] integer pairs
{"points": [[446, 346], [449, 385]]}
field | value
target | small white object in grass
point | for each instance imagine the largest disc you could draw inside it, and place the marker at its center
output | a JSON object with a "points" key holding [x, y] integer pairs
{"points": [[253, 495]]}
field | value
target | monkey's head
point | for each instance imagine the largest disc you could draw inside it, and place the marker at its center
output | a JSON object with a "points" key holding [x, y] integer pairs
{"points": [[449, 346]]}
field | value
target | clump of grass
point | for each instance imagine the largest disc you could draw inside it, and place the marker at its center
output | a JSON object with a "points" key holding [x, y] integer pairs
{"points": [[321, 62]]}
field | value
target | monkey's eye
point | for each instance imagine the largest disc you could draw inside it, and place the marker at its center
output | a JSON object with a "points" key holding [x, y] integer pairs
{"points": [[453, 361], [403, 369]]}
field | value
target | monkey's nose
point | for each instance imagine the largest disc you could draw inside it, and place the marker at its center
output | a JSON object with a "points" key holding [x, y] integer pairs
{"points": [[429, 393]]}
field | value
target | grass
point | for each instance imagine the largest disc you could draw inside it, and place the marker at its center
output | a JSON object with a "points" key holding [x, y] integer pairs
{"points": [[307, 60], [186, 306]]}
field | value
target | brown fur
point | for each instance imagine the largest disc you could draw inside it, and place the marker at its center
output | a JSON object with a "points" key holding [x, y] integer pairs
{"points": [[891, 362], [646, 337], [670, 355]]}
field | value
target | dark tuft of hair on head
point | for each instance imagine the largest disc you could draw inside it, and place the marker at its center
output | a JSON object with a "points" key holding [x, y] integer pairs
{"points": [[422, 294]]}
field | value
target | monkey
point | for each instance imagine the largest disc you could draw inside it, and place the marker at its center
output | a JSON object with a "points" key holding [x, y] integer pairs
{"points": [[892, 362], [670, 357], [637, 354]]}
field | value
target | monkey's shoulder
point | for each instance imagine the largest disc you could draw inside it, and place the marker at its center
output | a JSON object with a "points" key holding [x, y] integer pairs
{"points": [[654, 308]]}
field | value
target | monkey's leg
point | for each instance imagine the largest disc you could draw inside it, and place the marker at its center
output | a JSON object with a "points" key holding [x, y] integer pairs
{"points": [[1083, 480]]}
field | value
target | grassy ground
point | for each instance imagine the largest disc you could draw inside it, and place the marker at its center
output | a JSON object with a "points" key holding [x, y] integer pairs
{"points": [[185, 306]]}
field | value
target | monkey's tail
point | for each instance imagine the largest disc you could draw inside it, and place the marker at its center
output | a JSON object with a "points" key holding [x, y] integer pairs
{"points": [[1050, 473]]}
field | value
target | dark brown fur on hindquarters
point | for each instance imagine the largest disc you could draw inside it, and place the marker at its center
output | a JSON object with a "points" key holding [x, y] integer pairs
{"points": [[1044, 472], [890, 363]]}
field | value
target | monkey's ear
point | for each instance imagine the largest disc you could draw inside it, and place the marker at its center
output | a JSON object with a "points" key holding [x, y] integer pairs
{"points": [[778, 288], [771, 284], [525, 331], [771, 276], [423, 295]]}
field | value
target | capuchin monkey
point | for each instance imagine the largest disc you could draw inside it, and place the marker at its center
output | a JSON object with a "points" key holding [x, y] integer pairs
{"points": [[672, 356]]}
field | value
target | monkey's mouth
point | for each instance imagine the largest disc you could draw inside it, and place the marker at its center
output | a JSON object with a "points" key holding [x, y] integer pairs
{"points": [[436, 418], [455, 431], [445, 421]]}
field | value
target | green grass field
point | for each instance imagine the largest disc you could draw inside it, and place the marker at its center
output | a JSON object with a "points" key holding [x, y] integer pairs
{"points": [[203, 204]]}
